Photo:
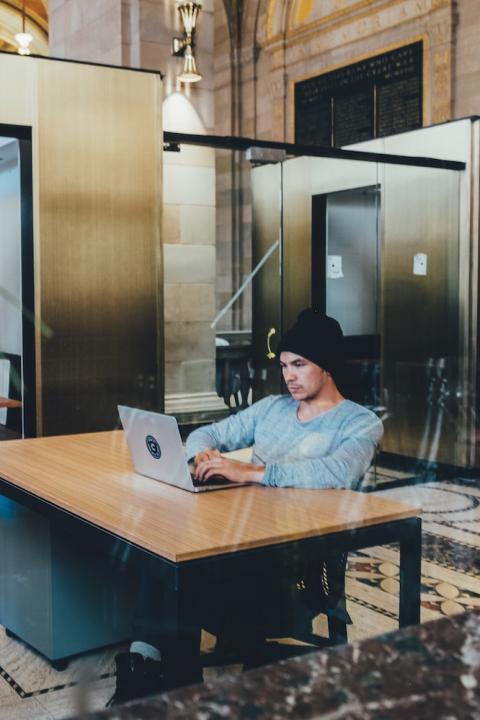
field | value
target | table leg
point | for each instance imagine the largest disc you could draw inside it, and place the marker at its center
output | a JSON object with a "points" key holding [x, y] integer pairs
{"points": [[410, 564], [180, 643]]}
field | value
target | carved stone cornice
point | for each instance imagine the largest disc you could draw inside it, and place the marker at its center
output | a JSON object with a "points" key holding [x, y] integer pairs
{"points": [[361, 19]]}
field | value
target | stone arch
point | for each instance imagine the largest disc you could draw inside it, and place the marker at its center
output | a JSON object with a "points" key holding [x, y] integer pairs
{"points": [[276, 16], [300, 13], [254, 9]]}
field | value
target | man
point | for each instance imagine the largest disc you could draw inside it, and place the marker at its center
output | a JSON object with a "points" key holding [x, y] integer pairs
{"points": [[311, 438]]}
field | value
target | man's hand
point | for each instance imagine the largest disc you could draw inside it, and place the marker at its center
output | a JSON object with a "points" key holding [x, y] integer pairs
{"points": [[233, 470], [207, 454]]}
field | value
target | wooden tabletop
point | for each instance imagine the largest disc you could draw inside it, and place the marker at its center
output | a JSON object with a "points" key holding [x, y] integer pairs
{"points": [[91, 476]]}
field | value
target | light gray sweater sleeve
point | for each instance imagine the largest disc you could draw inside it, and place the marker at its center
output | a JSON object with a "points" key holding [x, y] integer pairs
{"points": [[342, 468], [233, 433]]}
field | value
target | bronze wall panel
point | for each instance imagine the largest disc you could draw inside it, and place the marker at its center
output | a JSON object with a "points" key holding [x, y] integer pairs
{"points": [[98, 243], [297, 224], [421, 344]]}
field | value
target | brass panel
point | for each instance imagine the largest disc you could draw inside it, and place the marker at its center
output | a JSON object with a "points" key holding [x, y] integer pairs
{"points": [[266, 286], [98, 263], [420, 312], [297, 224]]}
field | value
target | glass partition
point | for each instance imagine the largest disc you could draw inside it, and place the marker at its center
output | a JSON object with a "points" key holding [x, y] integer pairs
{"points": [[216, 358], [423, 360], [255, 574], [374, 244]]}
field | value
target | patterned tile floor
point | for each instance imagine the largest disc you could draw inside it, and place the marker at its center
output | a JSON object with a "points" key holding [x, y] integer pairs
{"points": [[30, 688]]}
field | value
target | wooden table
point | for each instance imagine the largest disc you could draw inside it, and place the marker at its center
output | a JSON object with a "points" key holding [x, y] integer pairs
{"points": [[86, 486]]}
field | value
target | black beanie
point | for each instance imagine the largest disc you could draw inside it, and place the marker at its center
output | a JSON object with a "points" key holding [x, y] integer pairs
{"points": [[316, 337]]}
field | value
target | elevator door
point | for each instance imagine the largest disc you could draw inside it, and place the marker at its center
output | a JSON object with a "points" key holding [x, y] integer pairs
{"points": [[345, 280]]}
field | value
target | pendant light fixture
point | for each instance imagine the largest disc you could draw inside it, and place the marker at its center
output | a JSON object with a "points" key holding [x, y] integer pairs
{"points": [[23, 38]]}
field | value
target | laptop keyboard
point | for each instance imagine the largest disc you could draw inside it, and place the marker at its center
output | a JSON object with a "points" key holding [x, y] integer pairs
{"points": [[212, 481]]}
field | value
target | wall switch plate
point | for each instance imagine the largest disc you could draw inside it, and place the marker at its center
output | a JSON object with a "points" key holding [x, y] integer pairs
{"points": [[420, 264], [334, 267]]}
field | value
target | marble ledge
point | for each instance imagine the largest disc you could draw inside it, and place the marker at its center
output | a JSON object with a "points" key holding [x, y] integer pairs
{"points": [[423, 672]]}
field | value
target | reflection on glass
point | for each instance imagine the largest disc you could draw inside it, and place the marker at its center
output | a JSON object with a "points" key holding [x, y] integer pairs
{"points": [[246, 247], [10, 291]]}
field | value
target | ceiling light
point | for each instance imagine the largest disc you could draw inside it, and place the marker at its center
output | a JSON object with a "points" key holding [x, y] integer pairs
{"points": [[23, 38]]}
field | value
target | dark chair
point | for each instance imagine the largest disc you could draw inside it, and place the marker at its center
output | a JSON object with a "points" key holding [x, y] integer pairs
{"points": [[323, 589], [292, 609], [287, 610], [233, 374]]}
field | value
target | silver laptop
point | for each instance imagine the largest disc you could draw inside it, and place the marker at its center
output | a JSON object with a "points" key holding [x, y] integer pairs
{"points": [[156, 449]]}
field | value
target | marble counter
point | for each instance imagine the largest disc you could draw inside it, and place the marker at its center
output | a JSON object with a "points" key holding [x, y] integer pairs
{"points": [[427, 671]]}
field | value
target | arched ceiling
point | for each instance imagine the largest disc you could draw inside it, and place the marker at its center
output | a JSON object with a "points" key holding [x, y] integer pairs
{"points": [[35, 10], [36, 23], [5, 46], [285, 17]]}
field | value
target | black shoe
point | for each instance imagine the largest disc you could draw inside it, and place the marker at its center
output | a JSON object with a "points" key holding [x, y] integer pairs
{"points": [[136, 677]]}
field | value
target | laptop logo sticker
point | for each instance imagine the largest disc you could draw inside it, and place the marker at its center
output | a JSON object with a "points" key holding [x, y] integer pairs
{"points": [[153, 447]]}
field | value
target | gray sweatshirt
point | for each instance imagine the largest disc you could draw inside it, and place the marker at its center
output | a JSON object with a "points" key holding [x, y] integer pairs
{"points": [[333, 450]]}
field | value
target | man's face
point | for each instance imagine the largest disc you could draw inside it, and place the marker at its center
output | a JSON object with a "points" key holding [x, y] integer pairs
{"points": [[303, 378]]}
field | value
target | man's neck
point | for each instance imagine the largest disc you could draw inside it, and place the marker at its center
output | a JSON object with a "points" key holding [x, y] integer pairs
{"points": [[326, 400]]}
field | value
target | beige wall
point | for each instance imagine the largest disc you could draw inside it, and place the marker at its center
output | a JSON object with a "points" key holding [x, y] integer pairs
{"points": [[466, 65]]}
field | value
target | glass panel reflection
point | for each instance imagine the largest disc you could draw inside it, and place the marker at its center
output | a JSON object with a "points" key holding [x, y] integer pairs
{"points": [[11, 392], [247, 245]]}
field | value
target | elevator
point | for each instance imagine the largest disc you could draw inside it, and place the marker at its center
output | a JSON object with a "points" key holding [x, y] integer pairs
{"points": [[345, 281]]}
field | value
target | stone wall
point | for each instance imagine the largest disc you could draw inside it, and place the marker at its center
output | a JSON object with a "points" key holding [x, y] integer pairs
{"points": [[90, 31], [283, 41], [466, 63], [295, 40]]}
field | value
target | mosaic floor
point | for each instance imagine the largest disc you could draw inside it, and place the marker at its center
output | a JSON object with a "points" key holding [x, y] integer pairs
{"points": [[30, 688]]}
